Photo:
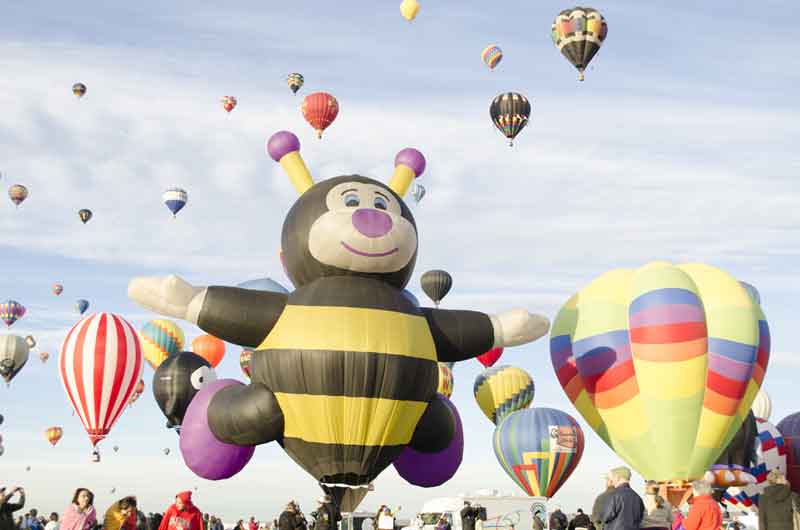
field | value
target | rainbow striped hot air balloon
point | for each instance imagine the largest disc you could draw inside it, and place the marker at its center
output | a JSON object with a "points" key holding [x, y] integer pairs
{"points": [[539, 448], [160, 339], [501, 390], [663, 362], [492, 55]]}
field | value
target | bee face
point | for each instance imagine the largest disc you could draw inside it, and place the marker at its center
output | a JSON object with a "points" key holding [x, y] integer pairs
{"points": [[363, 230], [349, 226]]}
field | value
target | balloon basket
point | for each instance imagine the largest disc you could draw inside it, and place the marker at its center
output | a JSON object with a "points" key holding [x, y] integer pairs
{"points": [[676, 492]]}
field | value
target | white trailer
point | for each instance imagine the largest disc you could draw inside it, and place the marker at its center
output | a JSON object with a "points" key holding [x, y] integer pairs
{"points": [[503, 512]]}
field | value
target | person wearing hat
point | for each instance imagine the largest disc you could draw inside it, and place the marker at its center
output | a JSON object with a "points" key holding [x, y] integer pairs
{"points": [[623, 508], [289, 518]]}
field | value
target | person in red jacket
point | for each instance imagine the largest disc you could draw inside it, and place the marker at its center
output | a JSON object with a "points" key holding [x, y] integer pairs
{"points": [[705, 513], [183, 515]]}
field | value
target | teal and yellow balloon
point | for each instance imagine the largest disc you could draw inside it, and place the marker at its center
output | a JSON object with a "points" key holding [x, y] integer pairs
{"points": [[663, 362], [539, 448], [501, 390], [160, 339]]}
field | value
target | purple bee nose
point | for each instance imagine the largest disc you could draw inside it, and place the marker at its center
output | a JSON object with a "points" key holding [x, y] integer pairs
{"points": [[372, 223]]}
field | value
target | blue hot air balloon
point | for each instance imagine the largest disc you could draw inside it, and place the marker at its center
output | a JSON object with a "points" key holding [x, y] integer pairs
{"points": [[175, 199], [264, 284], [81, 306]]}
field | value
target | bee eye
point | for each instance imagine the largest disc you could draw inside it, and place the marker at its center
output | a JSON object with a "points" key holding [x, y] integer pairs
{"points": [[351, 200], [380, 203]]}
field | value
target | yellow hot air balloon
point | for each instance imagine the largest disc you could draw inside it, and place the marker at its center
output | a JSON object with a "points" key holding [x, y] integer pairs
{"points": [[445, 381], [501, 390], [53, 435], [409, 9], [160, 339], [663, 362]]}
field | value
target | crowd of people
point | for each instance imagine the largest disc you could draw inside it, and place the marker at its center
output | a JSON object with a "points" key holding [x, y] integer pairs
{"points": [[618, 507]]}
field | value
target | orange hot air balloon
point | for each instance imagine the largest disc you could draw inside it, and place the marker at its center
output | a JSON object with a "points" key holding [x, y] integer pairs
{"points": [[44, 356], [53, 435], [320, 109], [209, 348]]}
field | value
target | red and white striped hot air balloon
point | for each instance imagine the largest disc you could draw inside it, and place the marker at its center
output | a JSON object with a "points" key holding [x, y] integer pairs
{"points": [[100, 363]]}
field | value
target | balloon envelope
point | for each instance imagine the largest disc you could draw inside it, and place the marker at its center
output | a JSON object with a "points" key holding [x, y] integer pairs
{"points": [[490, 357], [264, 284], [789, 427], [175, 199], [209, 348], [160, 339], [539, 448], [662, 360], [429, 470], [202, 452], [107, 346], [177, 381], [81, 306], [436, 284], [502, 390], [762, 405], [445, 387], [11, 311], [578, 33], [14, 352], [320, 109], [510, 113], [770, 454], [53, 435]]}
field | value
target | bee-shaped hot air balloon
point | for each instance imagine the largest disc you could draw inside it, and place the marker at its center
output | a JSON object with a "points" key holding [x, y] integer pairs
{"points": [[295, 81], [578, 33], [663, 360], [344, 371]]}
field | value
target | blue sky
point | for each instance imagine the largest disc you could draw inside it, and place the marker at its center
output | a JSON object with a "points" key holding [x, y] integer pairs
{"points": [[680, 145]]}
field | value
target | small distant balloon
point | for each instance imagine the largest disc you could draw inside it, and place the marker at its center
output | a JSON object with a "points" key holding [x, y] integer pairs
{"points": [[44, 356], [295, 82], [436, 284], [2, 419], [81, 306], [53, 435], [84, 215], [27, 468], [116, 448], [58, 289], [409, 9], [418, 192], [320, 109], [18, 193], [11, 311], [228, 103], [510, 113], [79, 89], [166, 450], [113, 490], [492, 55], [30, 341], [175, 199]]}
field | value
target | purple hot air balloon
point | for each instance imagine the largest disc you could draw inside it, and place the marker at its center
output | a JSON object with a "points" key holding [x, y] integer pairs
{"points": [[11, 311], [429, 470], [202, 452]]}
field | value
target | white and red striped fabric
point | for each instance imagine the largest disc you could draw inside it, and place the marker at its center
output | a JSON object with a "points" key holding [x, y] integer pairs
{"points": [[100, 363]]}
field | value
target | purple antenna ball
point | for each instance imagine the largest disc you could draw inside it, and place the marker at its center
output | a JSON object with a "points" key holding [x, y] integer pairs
{"points": [[202, 452], [282, 143], [412, 158]]}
